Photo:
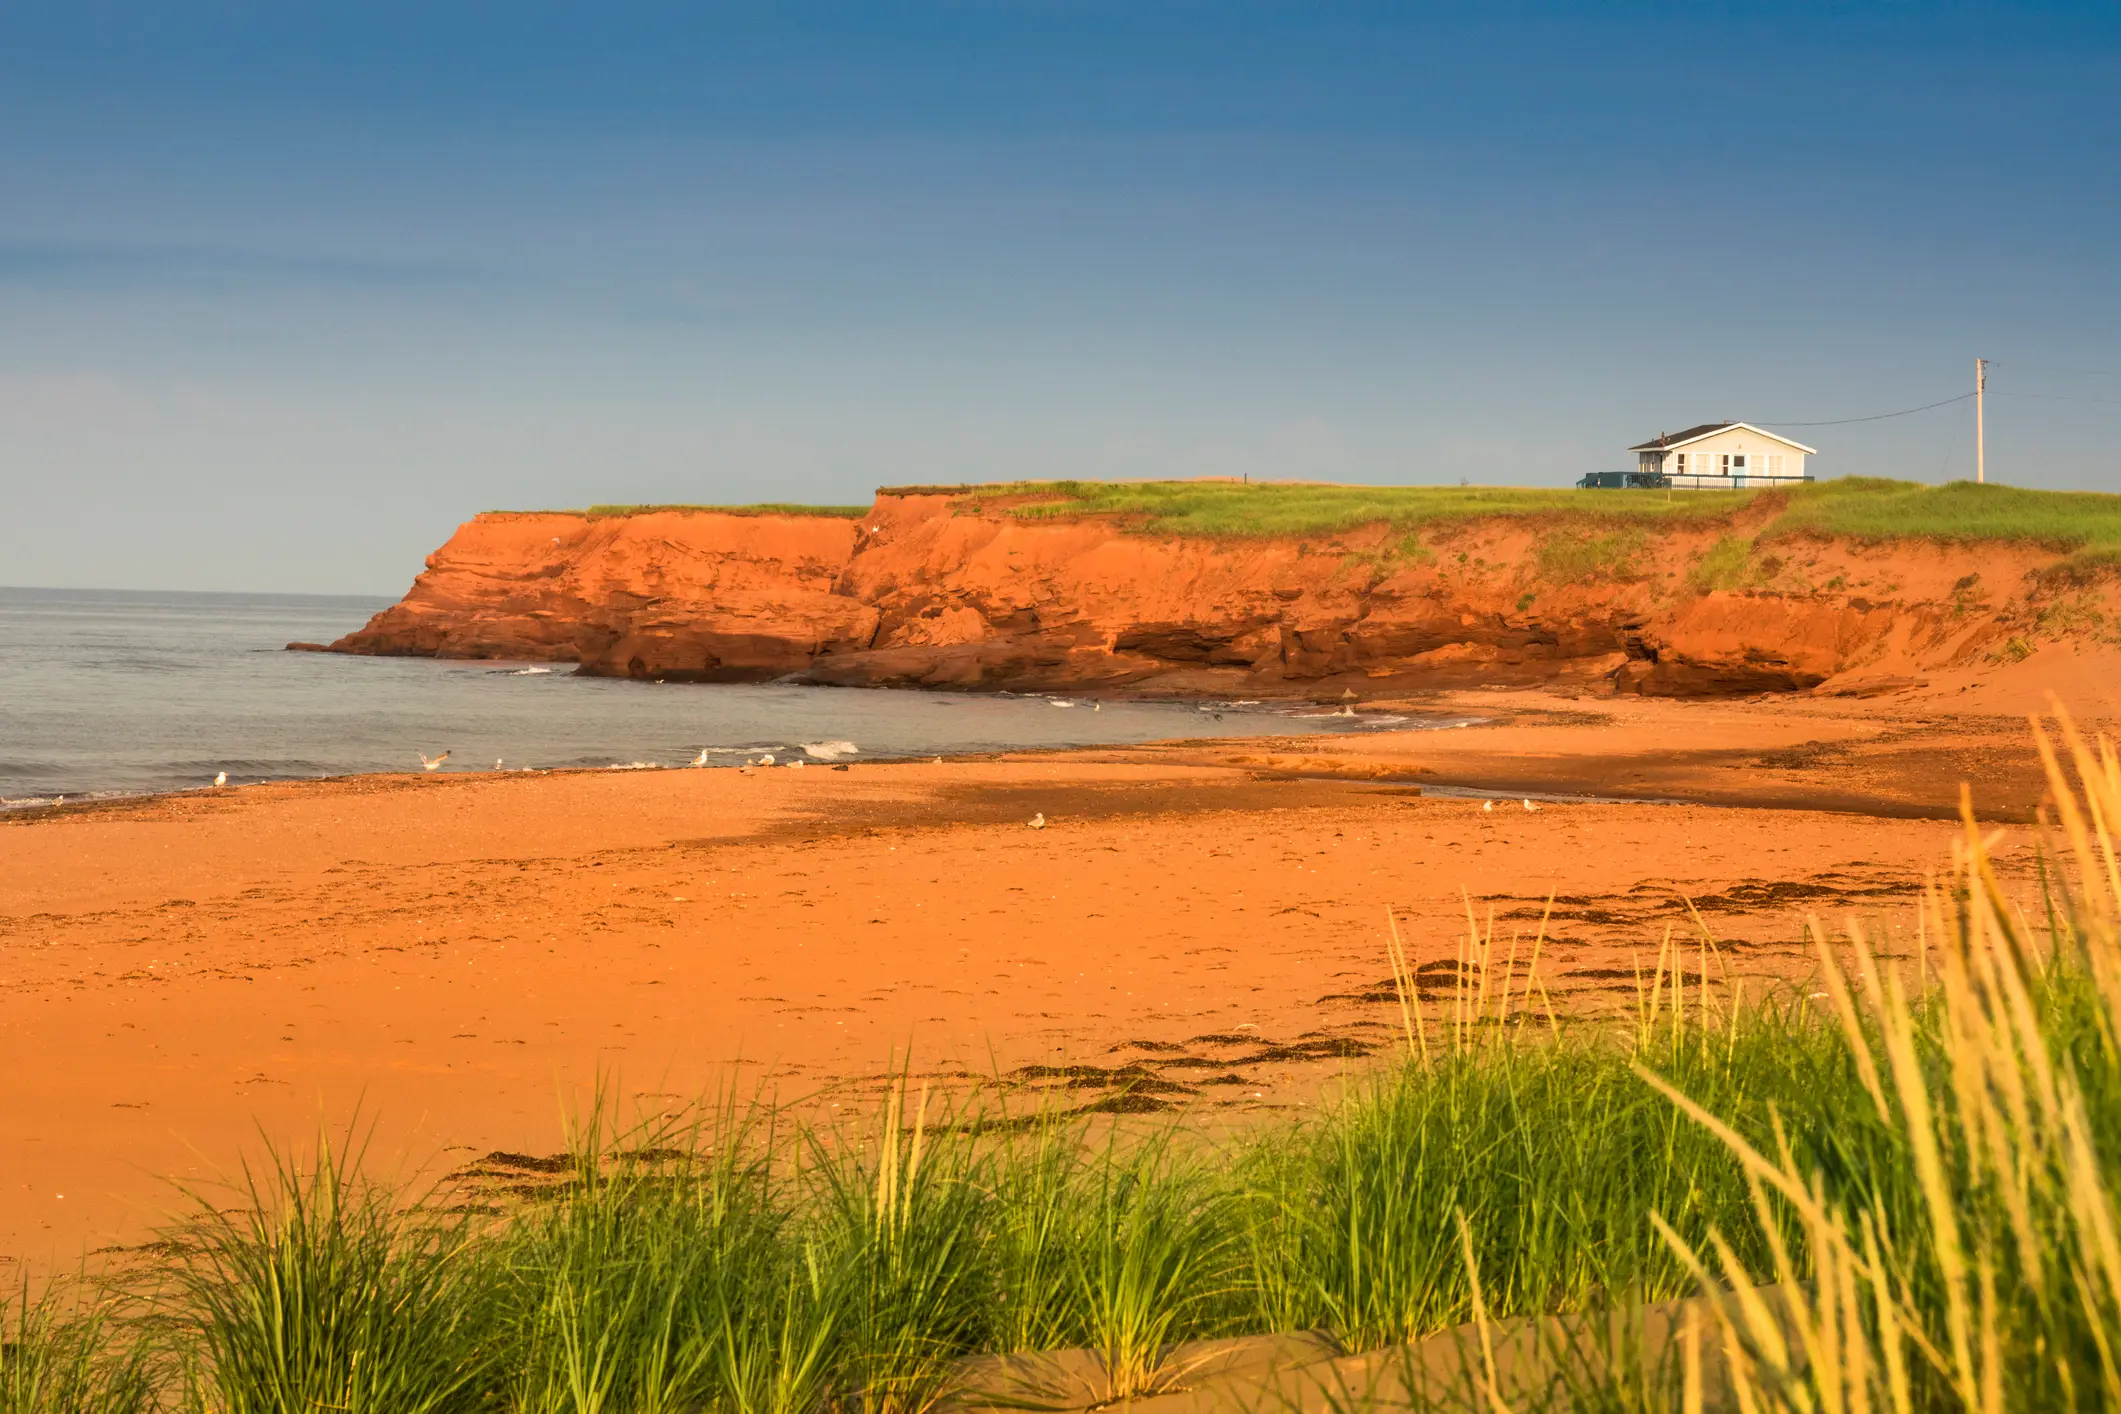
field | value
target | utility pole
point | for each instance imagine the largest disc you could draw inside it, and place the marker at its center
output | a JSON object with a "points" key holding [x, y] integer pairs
{"points": [[1980, 446]]}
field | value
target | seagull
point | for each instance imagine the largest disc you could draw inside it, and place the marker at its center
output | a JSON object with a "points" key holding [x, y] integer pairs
{"points": [[795, 765], [767, 759], [1530, 808], [1097, 706], [1487, 805], [1038, 821], [701, 759], [432, 763], [220, 778]]}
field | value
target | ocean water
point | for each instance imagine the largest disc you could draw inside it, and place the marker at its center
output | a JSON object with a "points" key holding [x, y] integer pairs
{"points": [[106, 692]]}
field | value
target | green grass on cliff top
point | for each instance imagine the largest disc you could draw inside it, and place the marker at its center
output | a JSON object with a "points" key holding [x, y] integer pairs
{"points": [[1860, 507], [1867, 508]]}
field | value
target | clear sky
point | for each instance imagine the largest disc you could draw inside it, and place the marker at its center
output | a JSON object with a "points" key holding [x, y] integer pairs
{"points": [[287, 289]]}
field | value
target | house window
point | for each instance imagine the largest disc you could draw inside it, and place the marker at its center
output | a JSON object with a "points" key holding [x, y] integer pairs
{"points": [[1733, 464], [1679, 463]]}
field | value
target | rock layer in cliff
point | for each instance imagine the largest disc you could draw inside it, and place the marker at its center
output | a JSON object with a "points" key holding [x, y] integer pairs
{"points": [[937, 589]]}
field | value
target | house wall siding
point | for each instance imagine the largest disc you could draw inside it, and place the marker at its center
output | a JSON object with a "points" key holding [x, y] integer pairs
{"points": [[1713, 448]]}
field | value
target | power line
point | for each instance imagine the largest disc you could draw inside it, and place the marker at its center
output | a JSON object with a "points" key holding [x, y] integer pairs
{"points": [[2057, 368], [1875, 417], [2059, 398]]}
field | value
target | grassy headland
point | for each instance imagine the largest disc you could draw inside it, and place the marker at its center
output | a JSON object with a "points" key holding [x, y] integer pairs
{"points": [[1864, 508], [1861, 508]]}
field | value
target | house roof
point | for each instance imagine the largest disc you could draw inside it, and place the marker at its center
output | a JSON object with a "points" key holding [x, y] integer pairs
{"points": [[1667, 441]]}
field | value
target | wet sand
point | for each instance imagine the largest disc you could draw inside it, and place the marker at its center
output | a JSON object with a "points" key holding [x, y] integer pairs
{"points": [[457, 956]]}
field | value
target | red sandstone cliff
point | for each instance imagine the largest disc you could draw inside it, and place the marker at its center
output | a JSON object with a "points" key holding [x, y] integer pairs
{"points": [[928, 591]]}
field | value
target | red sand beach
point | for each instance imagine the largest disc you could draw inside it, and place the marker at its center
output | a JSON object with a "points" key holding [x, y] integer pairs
{"points": [[449, 956]]}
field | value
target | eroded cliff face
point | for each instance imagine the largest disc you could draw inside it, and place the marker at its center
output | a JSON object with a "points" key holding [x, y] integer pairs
{"points": [[924, 591]]}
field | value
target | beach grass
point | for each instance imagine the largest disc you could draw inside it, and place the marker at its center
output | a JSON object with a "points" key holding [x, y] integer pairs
{"points": [[1915, 1158], [59, 1352], [320, 1290], [1971, 1259]]}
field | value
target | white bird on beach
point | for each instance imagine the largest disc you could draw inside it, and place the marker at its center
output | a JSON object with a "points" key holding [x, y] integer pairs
{"points": [[795, 765], [1097, 706], [767, 759], [701, 759], [1487, 805], [1530, 808], [432, 763], [220, 778], [1038, 821], [497, 764]]}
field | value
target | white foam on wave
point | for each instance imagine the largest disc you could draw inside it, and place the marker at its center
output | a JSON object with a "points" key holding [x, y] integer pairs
{"points": [[830, 750], [528, 672]]}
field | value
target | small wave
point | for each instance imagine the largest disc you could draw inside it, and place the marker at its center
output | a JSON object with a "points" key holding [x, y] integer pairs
{"points": [[1058, 702], [32, 802], [830, 750], [635, 766], [528, 672]]}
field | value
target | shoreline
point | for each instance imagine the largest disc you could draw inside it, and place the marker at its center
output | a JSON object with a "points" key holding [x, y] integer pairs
{"points": [[453, 955], [96, 796]]}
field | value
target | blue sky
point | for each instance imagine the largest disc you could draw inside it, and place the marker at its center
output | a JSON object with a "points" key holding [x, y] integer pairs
{"points": [[288, 290]]}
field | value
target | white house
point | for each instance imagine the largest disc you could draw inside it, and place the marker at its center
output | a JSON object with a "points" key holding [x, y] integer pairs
{"points": [[1722, 456]]}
